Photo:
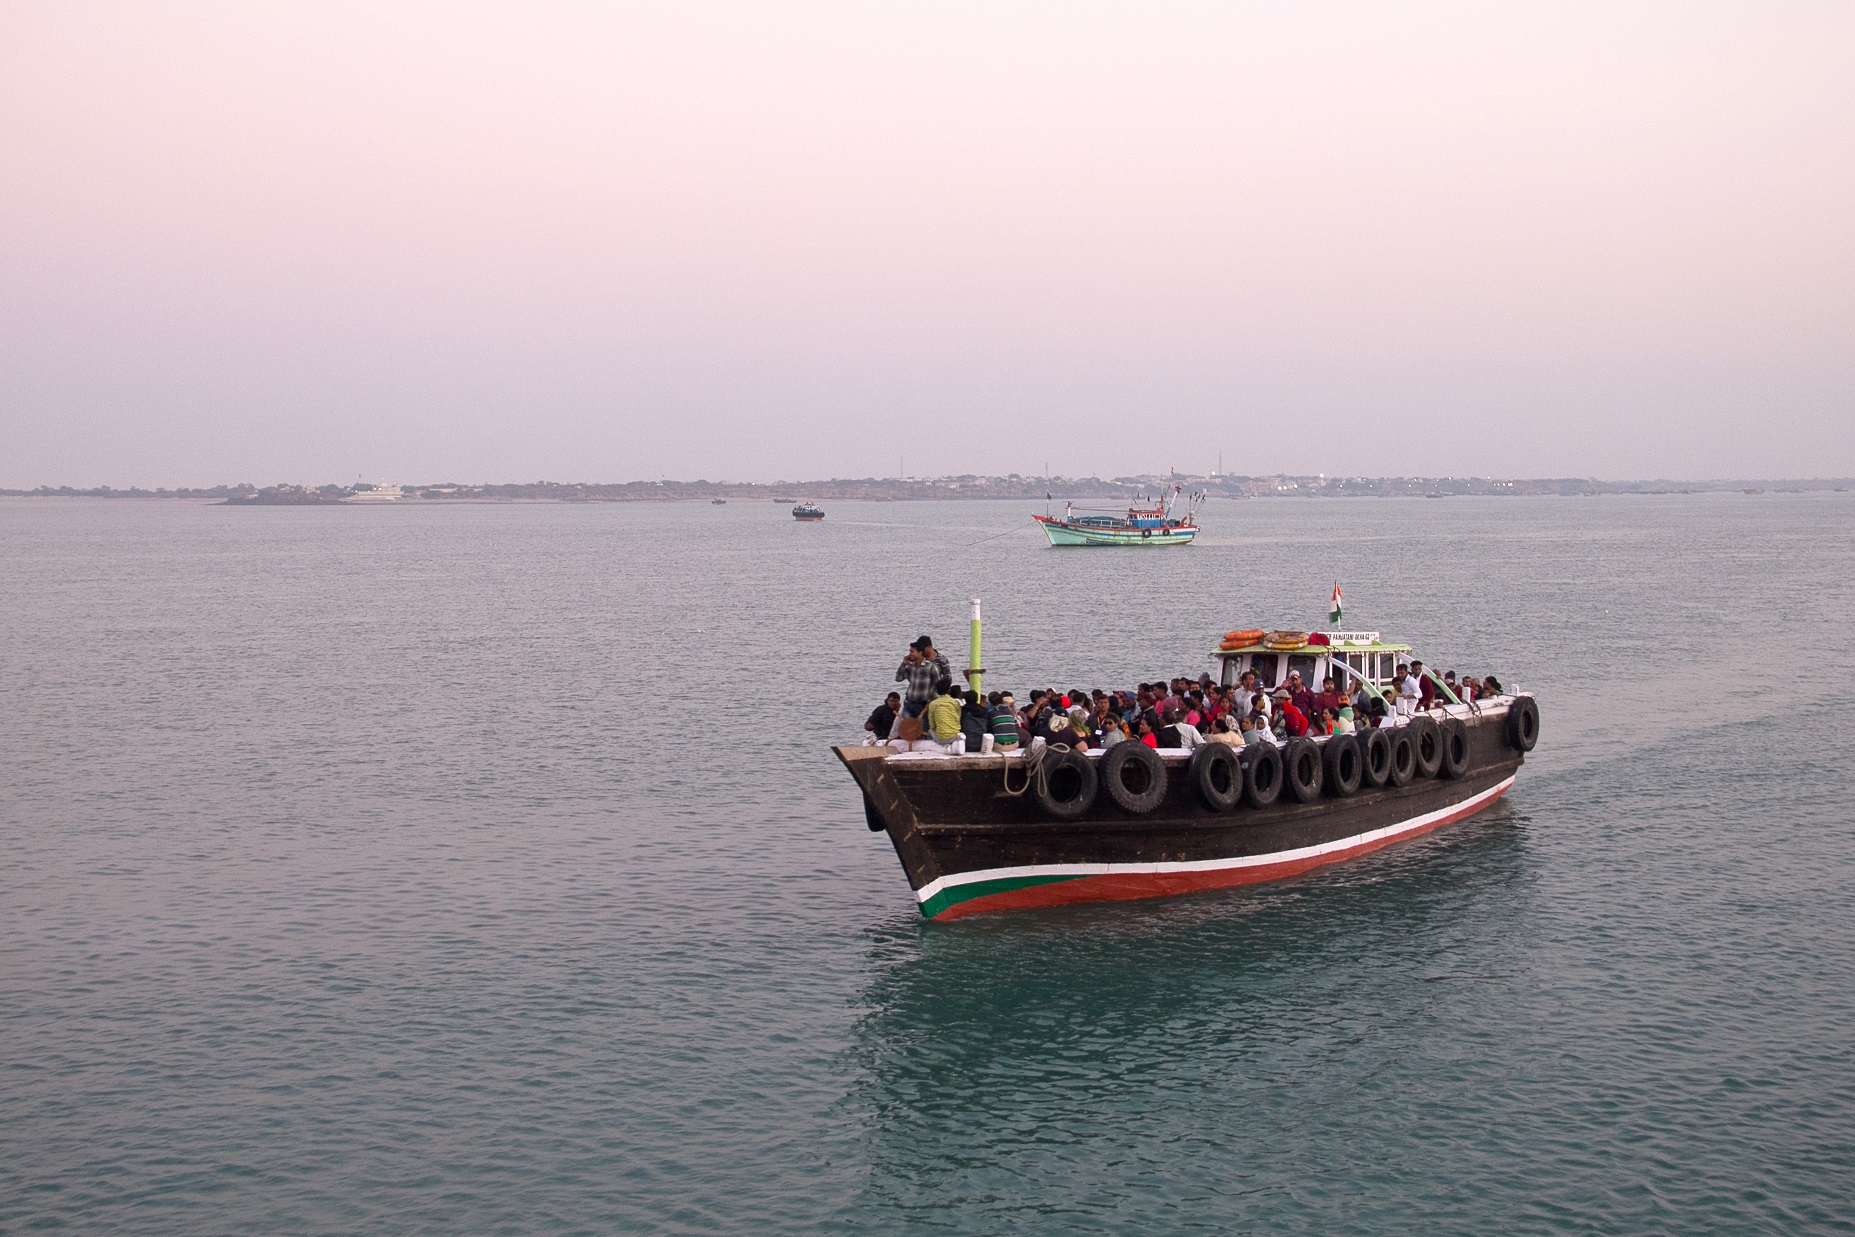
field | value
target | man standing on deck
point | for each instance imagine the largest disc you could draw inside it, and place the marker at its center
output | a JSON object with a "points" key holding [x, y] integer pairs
{"points": [[921, 670], [1426, 690], [1299, 695]]}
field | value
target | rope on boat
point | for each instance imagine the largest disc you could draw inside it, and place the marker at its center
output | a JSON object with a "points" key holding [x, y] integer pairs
{"points": [[984, 540], [1033, 769]]}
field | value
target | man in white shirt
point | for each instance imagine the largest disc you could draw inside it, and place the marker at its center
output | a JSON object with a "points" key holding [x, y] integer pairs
{"points": [[1408, 691]]}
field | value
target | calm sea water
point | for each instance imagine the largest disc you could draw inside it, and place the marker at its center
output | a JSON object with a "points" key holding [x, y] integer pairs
{"points": [[483, 869]]}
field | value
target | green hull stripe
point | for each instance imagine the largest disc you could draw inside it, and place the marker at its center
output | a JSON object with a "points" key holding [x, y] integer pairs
{"points": [[979, 889]]}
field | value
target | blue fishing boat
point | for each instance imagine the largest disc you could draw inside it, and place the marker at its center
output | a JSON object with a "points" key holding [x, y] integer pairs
{"points": [[1148, 526], [808, 511]]}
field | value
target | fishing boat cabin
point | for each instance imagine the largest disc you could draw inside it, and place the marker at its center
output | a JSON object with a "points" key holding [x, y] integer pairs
{"points": [[1346, 655]]}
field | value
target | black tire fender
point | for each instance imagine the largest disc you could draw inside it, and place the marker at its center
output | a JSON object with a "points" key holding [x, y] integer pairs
{"points": [[1427, 742], [1455, 748], [1523, 723], [1216, 776], [1301, 771], [1374, 758], [1342, 766], [1403, 764], [1262, 774], [1134, 777], [1066, 785]]}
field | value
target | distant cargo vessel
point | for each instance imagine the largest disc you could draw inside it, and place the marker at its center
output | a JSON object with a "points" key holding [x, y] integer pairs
{"points": [[382, 493], [808, 511], [1147, 526]]}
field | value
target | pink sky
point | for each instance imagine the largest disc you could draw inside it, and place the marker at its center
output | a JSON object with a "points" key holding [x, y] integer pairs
{"points": [[600, 242]]}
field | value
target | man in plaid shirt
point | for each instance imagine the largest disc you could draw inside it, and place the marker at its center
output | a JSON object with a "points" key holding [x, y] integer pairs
{"points": [[921, 669]]}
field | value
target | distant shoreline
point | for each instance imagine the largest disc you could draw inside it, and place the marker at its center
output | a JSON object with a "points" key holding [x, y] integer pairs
{"points": [[953, 488]]}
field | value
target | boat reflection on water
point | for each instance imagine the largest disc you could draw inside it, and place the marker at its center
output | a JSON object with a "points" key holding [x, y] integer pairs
{"points": [[1013, 1056]]}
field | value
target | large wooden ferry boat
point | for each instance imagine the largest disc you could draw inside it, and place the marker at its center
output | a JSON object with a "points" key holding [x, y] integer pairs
{"points": [[1147, 526], [1040, 828]]}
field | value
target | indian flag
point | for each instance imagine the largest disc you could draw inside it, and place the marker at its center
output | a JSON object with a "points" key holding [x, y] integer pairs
{"points": [[1335, 616]]}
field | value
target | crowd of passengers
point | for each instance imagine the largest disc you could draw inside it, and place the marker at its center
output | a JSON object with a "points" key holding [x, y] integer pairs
{"points": [[930, 714]]}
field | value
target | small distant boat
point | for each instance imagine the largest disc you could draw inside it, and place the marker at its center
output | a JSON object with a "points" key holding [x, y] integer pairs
{"points": [[1140, 526], [1752, 491], [718, 502], [381, 493], [808, 511]]}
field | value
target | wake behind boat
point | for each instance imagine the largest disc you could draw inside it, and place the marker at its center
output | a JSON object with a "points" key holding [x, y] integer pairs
{"points": [[1148, 526]]}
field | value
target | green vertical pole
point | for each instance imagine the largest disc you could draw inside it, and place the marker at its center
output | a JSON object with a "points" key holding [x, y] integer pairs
{"points": [[975, 674]]}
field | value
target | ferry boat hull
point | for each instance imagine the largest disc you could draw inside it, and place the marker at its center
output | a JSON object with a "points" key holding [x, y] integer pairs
{"points": [[968, 847], [1062, 533]]}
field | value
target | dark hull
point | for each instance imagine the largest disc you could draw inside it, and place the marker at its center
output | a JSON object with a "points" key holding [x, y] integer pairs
{"points": [[968, 847]]}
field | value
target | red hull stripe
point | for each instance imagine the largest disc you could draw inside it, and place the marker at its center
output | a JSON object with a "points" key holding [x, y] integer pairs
{"points": [[1006, 889]]}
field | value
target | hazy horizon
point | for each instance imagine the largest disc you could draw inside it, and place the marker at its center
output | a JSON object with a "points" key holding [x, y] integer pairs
{"points": [[421, 241]]}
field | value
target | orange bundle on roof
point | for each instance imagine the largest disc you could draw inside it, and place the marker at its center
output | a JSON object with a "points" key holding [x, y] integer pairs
{"points": [[1238, 639]]}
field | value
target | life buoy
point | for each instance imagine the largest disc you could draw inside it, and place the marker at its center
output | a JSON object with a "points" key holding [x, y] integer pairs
{"points": [[1455, 748], [1523, 723], [1286, 639], [1374, 758], [1262, 775], [1249, 635], [1066, 784], [1216, 776], [1343, 766], [1426, 745], [1146, 532], [1301, 770], [1134, 777]]}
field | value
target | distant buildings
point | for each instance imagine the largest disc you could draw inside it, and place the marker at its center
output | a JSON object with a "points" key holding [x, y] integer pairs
{"points": [[962, 486]]}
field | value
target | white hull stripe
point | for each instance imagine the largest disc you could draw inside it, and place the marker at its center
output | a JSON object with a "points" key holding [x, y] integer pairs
{"points": [[1213, 865]]}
